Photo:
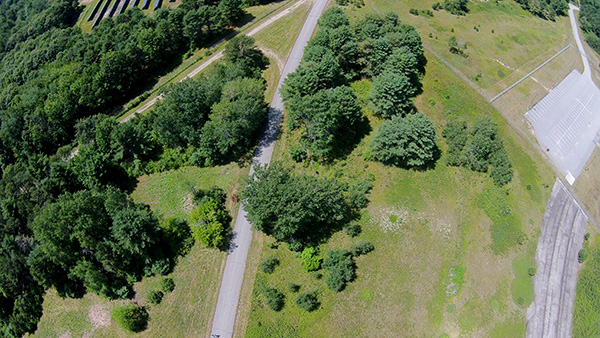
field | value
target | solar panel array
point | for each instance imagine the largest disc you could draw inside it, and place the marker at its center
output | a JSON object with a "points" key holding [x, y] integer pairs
{"points": [[101, 8]]}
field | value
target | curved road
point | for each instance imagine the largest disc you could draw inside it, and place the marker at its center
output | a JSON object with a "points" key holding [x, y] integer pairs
{"points": [[231, 283]]}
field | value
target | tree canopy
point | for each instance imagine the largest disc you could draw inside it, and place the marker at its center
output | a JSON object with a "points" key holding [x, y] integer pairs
{"points": [[294, 208], [405, 141]]}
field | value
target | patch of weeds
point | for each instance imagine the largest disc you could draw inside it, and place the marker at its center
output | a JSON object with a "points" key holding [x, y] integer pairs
{"points": [[366, 294], [506, 227]]}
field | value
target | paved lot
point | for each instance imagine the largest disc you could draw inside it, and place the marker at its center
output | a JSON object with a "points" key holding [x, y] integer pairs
{"points": [[566, 123], [551, 313]]}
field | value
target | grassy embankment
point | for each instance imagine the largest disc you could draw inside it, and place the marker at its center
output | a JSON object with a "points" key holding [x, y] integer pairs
{"points": [[587, 299]]}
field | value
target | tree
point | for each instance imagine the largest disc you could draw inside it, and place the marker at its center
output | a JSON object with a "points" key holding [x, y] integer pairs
{"points": [[208, 223], [131, 317], [313, 75], [234, 121], [341, 269], [180, 116], [274, 299], [311, 259], [327, 121], [294, 208], [242, 50], [456, 7], [391, 94], [177, 234], [334, 17], [405, 141], [308, 301]]}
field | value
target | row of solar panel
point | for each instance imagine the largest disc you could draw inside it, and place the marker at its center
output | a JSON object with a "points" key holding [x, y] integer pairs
{"points": [[121, 9]]}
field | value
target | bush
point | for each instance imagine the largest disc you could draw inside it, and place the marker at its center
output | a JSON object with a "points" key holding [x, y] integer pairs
{"points": [[531, 271], [155, 297], [353, 229], [167, 285], [341, 269], [131, 317], [177, 234], [292, 287], [269, 265], [436, 6], [405, 141], [311, 259], [413, 11], [361, 248], [582, 256], [208, 223], [308, 301], [274, 299]]}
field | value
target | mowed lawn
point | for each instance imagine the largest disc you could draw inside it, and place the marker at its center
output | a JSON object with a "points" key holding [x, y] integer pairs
{"points": [[434, 271], [187, 311]]}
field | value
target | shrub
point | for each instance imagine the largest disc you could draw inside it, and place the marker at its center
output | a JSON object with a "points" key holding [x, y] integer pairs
{"points": [[311, 259], [167, 285], [298, 153], [317, 275], [582, 256], [353, 229], [413, 11], [361, 248], [341, 269], [131, 317], [177, 234], [436, 6], [208, 223], [274, 299], [155, 297], [308, 301], [405, 141], [269, 265], [292, 287], [531, 271]]}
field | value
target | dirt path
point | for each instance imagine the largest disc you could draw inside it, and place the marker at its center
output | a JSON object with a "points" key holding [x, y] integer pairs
{"points": [[551, 313]]}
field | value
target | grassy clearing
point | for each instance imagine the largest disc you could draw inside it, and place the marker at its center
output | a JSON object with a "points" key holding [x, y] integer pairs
{"points": [[281, 35], [586, 314], [186, 312], [434, 270]]}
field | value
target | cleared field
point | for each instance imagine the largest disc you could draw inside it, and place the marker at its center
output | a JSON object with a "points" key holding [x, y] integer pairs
{"points": [[280, 36], [434, 270], [186, 311]]}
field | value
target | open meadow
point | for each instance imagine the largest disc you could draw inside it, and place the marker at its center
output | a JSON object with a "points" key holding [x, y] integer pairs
{"points": [[452, 251]]}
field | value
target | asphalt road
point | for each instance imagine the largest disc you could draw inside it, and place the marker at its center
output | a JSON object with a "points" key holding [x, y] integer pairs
{"points": [[231, 283], [551, 313]]}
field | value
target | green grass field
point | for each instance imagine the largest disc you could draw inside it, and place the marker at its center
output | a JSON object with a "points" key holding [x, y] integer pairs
{"points": [[187, 311], [434, 270], [586, 312]]}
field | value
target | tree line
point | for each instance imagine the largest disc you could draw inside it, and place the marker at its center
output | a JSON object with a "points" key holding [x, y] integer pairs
{"points": [[589, 19], [545, 9]]}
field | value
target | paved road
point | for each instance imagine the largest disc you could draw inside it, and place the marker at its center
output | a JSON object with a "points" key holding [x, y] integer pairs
{"points": [[231, 283], [219, 54], [551, 313], [587, 70]]}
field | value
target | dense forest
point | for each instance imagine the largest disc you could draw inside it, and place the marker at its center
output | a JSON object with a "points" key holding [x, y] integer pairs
{"points": [[65, 218], [590, 22]]}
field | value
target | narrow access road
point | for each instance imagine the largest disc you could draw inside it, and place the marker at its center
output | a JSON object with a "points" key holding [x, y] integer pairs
{"points": [[551, 313], [219, 54], [587, 71], [231, 283]]}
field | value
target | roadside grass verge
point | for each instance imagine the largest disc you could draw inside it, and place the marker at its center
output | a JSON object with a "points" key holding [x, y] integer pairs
{"points": [[185, 312], [281, 35], [586, 313], [434, 270]]}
